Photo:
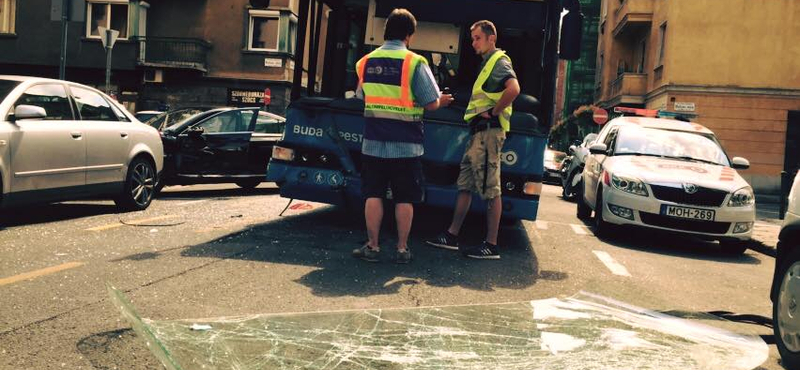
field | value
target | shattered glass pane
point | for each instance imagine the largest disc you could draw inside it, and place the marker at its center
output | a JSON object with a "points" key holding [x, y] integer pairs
{"points": [[582, 332]]}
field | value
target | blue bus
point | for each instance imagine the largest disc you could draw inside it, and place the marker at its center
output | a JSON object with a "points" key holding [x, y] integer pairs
{"points": [[319, 156]]}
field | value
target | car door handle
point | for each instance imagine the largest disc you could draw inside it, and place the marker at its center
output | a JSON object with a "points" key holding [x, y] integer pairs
{"points": [[76, 134], [123, 134]]}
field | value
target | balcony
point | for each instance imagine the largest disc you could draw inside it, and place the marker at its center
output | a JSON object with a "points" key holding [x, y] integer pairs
{"points": [[629, 88], [173, 52], [633, 17]]}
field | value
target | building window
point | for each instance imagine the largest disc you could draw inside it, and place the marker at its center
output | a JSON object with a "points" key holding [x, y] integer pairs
{"points": [[662, 41], [642, 54], [108, 14], [598, 78], [7, 15], [264, 30]]}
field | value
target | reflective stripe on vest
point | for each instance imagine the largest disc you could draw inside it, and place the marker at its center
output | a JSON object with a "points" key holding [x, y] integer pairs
{"points": [[385, 77], [482, 101]]}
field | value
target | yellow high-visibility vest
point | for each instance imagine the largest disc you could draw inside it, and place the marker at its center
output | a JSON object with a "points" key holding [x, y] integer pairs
{"points": [[482, 101]]}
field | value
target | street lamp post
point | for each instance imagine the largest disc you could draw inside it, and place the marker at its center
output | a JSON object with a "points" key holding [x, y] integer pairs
{"points": [[109, 37]]}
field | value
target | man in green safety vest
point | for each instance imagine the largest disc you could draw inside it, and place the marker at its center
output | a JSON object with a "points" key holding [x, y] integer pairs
{"points": [[488, 115], [397, 86]]}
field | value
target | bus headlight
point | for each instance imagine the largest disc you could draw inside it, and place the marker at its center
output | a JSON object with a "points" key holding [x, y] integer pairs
{"points": [[283, 154]]}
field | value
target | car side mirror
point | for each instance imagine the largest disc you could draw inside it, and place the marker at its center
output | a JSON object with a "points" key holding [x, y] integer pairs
{"points": [[598, 148], [196, 132], [572, 149], [740, 163], [28, 112]]}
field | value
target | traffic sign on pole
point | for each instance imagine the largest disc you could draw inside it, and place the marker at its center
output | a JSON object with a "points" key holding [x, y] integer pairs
{"points": [[600, 116], [267, 96]]}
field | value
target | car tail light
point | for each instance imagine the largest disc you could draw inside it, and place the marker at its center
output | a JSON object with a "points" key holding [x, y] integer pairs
{"points": [[606, 178], [281, 153]]}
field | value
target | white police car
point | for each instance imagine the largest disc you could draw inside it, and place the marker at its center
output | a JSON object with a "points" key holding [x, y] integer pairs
{"points": [[667, 174], [785, 292]]}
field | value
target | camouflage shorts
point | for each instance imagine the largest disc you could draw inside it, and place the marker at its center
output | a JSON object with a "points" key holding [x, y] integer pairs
{"points": [[480, 166]]}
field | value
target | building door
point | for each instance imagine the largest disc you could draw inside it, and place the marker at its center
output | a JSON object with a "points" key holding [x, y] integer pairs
{"points": [[791, 161]]}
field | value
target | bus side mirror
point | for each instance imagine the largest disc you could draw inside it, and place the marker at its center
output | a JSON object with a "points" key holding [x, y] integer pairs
{"points": [[571, 33]]}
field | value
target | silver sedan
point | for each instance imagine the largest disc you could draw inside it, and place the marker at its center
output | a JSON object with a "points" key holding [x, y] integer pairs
{"points": [[61, 141]]}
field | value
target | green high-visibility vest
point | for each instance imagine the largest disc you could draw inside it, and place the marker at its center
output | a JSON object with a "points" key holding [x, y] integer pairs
{"points": [[385, 77], [482, 101]]}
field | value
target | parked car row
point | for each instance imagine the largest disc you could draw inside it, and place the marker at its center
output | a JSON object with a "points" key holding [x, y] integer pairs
{"points": [[664, 174], [61, 141]]}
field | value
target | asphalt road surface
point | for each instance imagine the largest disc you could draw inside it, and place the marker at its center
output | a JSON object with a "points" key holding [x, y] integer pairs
{"points": [[218, 251]]}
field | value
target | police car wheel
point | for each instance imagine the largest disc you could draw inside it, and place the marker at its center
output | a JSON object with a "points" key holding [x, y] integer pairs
{"points": [[583, 210], [784, 310], [601, 227]]}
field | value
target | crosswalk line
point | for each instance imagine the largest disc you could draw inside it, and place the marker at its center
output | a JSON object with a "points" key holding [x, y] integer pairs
{"points": [[578, 229], [615, 267]]}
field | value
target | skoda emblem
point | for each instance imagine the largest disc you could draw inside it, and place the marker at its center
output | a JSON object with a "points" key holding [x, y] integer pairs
{"points": [[690, 188]]}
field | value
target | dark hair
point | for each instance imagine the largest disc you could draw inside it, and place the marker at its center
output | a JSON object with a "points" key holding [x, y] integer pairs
{"points": [[400, 24], [487, 27]]}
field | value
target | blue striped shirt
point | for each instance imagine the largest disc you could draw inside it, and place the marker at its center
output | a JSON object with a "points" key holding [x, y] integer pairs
{"points": [[425, 90]]}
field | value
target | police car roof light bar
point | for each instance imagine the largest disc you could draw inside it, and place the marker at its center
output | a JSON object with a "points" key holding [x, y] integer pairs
{"points": [[636, 111]]}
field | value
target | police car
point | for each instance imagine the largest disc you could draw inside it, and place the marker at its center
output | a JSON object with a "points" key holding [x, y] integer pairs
{"points": [[666, 174]]}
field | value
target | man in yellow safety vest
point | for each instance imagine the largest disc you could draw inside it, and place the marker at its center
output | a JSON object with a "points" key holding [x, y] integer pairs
{"points": [[397, 87], [488, 115]]}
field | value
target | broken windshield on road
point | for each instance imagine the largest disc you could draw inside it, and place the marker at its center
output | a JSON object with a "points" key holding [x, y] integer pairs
{"points": [[583, 332]]}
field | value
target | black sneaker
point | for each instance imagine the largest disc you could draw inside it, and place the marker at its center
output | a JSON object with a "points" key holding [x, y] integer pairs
{"points": [[485, 251], [366, 253], [403, 257], [444, 240]]}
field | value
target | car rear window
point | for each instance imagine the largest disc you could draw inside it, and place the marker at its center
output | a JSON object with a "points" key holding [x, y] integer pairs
{"points": [[6, 86]]}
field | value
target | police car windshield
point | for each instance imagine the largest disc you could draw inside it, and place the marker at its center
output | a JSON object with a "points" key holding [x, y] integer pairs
{"points": [[6, 86], [670, 144]]}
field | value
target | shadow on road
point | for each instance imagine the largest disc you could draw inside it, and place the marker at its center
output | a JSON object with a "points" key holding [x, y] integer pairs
{"points": [[39, 214], [182, 192], [324, 239], [103, 351], [671, 244]]}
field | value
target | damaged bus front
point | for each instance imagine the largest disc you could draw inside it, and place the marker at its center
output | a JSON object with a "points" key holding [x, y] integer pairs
{"points": [[319, 157]]}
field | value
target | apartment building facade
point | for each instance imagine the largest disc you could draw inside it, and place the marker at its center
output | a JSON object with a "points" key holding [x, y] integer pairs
{"points": [[170, 53], [733, 66]]}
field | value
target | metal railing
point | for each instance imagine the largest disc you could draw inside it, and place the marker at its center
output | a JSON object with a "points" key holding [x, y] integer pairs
{"points": [[173, 52]]}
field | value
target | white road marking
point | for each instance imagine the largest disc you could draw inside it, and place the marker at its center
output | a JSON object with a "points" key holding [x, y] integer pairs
{"points": [[34, 274], [541, 225], [578, 229], [615, 267], [192, 202]]}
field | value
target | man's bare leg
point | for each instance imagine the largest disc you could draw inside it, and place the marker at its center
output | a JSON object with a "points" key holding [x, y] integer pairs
{"points": [[404, 213], [463, 202], [493, 213], [373, 213]]}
